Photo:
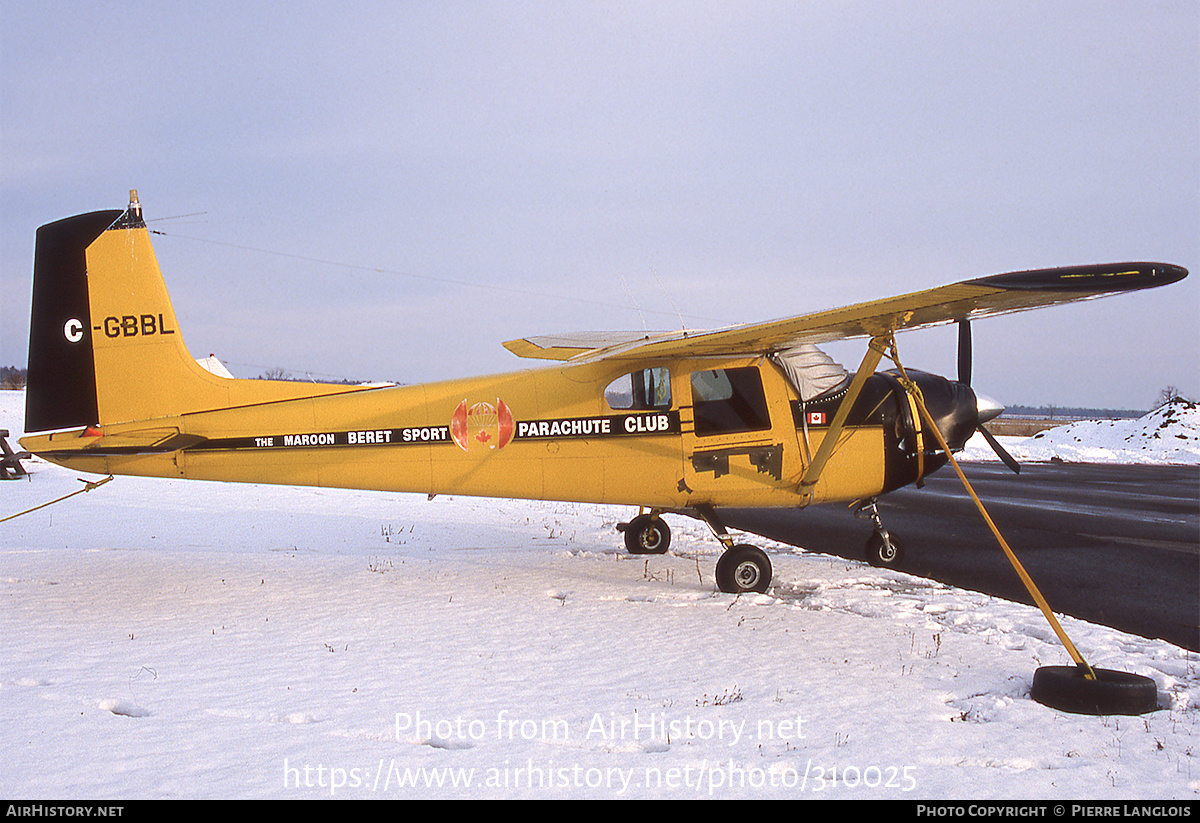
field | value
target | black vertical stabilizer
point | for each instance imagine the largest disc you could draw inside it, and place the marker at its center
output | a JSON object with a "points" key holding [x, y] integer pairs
{"points": [[61, 387]]}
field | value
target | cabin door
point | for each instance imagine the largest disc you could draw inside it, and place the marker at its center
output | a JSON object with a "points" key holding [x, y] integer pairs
{"points": [[741, 447]]}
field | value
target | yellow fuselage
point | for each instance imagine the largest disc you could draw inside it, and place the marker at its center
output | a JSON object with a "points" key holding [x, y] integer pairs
{"points": [[564, 441]]}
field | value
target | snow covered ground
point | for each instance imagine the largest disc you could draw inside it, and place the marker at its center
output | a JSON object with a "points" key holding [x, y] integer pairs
{"points": [[168, 639]]}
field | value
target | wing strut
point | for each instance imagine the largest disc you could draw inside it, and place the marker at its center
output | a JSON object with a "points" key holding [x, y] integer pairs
{"points": [[875, 352]]}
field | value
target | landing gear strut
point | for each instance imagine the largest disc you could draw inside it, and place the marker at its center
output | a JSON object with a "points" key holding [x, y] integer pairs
{"points": [[741, 568], [882, 549]]}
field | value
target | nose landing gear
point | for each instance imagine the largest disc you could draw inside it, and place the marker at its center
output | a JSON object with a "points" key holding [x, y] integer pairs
{"points": [[882, 549]]}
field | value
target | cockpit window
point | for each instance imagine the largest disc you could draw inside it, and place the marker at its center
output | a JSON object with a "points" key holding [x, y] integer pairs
{"points": [[641, 390], [728, 401]]}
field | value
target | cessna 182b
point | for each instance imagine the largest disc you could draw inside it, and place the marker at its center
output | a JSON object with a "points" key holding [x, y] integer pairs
{"points": [[674, 422]]}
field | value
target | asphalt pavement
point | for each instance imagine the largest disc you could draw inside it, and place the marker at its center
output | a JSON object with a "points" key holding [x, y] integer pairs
{"points": [[1111, 544]]}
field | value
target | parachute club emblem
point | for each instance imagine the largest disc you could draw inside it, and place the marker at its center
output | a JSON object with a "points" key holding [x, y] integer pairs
{"points": [[482, 426]]}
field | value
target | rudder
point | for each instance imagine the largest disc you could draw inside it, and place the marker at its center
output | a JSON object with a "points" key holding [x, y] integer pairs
{"points": [[61, 384]]}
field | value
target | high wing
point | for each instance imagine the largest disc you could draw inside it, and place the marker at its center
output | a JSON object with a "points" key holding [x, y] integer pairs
{"points": [[981, 297]]}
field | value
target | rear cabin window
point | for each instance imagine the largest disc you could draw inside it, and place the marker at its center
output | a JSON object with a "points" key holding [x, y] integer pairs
{"points": [[727, 401], [641, 390]]}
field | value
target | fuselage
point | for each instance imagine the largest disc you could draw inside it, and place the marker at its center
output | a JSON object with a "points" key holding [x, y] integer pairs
{"points": [[729, 432]]}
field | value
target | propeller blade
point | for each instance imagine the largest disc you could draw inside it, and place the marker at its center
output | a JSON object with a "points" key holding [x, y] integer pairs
{"points": [[964, 351], [1004, 456]]}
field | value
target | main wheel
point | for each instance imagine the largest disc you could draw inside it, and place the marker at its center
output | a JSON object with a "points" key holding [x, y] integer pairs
{"points": [[887, 554], [743, 568], [647, 534]]}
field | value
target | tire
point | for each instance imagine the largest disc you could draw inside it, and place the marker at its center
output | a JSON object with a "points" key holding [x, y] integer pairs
{"points": [[743, 569], [1067, 689], [647, 534], [878, 554]]}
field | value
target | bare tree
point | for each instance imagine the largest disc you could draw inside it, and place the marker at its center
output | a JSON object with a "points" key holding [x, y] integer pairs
{"points": [[1168, 395]]}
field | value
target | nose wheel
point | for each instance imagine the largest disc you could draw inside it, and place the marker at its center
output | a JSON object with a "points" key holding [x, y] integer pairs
{"points": [[882, 549]]}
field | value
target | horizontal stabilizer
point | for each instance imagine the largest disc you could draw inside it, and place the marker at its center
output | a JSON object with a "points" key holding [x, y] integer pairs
{"points": [[91, 440]]}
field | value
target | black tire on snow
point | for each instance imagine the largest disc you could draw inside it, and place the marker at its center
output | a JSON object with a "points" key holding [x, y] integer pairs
{"points": [[743, 568], [1067, 689], [647, 534], [878, 554]]}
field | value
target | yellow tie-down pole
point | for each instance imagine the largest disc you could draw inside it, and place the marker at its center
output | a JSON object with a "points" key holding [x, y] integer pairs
{"points": [[1081, 689], [914, 392]]}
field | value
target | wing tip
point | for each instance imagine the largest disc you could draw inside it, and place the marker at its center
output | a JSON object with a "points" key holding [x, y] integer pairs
{"points": [[1100, 278]]}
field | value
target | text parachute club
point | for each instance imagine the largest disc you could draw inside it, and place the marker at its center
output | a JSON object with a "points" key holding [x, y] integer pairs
{"points": [[608, 426]]}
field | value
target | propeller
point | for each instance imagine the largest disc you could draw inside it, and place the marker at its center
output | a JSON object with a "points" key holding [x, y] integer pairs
{"points": [[987, 408], [1004, 456], [964, 351]]}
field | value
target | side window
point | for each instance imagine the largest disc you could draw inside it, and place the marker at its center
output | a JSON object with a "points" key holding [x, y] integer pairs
{"points": [[641, 390], [727, 401]]}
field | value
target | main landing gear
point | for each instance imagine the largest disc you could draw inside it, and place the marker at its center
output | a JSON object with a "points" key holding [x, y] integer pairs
{"points": [[742, 568], [882, 549]]}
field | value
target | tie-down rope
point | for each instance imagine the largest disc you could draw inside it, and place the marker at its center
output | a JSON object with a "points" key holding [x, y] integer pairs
{"points": [[88, 485]]}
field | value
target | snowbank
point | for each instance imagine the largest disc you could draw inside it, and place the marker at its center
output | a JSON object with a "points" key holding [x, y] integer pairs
{"points": [[178, 640], [1168, 435]]}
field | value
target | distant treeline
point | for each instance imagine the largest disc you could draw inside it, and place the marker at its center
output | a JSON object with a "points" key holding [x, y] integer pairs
{"points": [[1169, 394], [11, 377], [1069, 413], [284, 374]]}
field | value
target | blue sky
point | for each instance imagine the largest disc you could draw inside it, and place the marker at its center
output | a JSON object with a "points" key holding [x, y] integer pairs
{"points": [[390, 190]]}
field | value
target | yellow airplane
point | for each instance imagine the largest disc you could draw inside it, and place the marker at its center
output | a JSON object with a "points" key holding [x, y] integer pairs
{"points": [[674, 422]]}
